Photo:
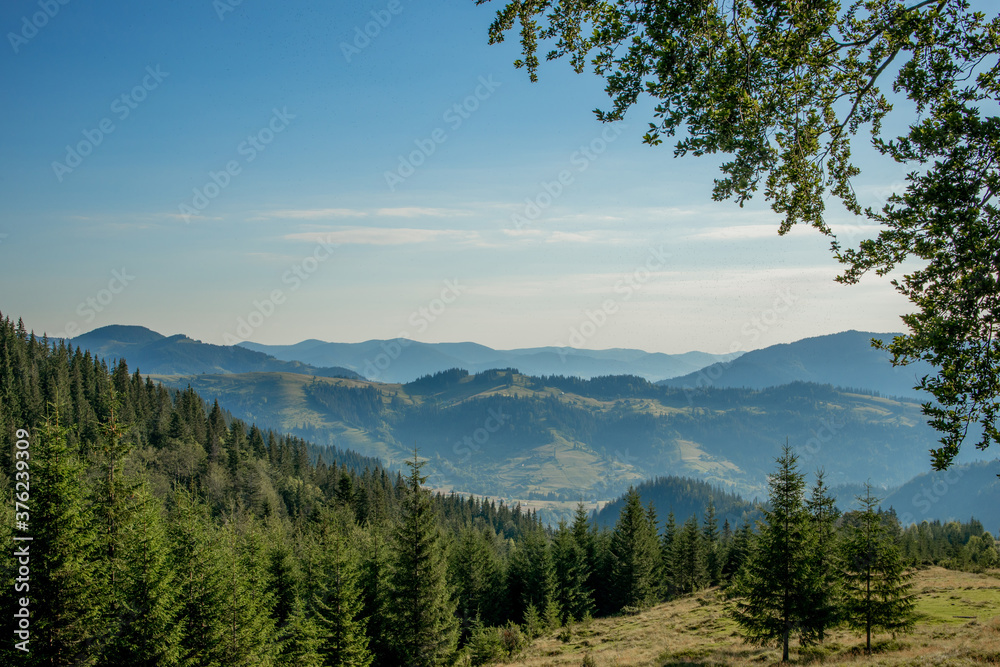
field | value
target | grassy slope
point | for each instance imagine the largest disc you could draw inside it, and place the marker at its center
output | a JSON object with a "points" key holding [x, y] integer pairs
{"points": [[959, 624]]}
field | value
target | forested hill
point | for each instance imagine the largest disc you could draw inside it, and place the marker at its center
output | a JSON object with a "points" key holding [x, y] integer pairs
{"points": [[685, 497], [844, 359], [555, 438], [166, 532]]}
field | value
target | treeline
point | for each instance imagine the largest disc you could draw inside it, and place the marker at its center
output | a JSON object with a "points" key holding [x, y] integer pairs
{"points": [[954, 545]]}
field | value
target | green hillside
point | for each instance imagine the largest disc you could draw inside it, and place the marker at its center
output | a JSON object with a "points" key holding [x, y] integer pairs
{"points": [[505, 434]]}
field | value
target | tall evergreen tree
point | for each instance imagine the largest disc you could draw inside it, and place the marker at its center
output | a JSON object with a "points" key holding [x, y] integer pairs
{"points": [[476, 576], [571, 572], [197, 560], [422, 614], [877, 589], [713, 555], [337, 600], [148, 632], [825, 562], [532, 580], [247, 601], [64, 575], [634, 554], [299, 642], [774, 588], [375, 570], [668, 558], [690, 574]]}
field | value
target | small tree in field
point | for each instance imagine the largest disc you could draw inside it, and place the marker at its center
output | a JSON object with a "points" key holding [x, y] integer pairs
{"points": [[877, 589], [775, 587]]}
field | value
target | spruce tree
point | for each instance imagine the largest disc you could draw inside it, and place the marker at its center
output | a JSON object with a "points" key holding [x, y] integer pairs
{"points": [[246, 600], [570, 565], [422, 614], [877, 589], [584, 538], [299, 639], [825, 562], [668, 557], [197, 560], [337, 600], [476, 576], [713, 551], [634, 554], [64, 577], [690, 574], [775, 586], [532, 580], [148, 633], [375, 570]]}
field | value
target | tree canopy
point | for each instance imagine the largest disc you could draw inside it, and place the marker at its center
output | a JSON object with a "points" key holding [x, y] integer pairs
{"points": [[786, 89]]}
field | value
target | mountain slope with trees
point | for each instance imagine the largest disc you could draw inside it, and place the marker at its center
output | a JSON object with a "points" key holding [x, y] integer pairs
{"points": [[166, 532], [504, 434]]}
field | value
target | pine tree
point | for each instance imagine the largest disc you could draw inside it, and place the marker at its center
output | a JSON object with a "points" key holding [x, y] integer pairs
{"points": [[668, 557], [246, 601], [148, 632], [825, 562], [774, 588], [713, 555], [877, 588], [634, 553], [571, 572], [532, 580], [337, 598], [64, 577], [585, 540], [690, 574], [476, 576], [422, 614], [299, 639], [196, 558], [375, 570]]}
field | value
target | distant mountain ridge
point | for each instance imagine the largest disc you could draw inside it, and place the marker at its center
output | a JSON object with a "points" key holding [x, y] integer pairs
{"points": [[403, 360], [152, 352], [845, 359]]}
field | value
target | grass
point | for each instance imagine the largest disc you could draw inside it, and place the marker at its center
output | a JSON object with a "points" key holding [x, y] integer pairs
{"points": [[958, 624]]}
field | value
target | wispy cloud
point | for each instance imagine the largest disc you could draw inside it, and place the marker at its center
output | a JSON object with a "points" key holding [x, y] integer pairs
{"points": [[385, 236], [418, 212], [746, 232], [312, 213]]}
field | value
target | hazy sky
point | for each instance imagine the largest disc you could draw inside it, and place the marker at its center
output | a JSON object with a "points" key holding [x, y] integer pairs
{"points": [[268, 171]]}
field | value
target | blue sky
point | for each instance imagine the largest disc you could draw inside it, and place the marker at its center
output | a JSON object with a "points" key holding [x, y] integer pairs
{"points": [[235, 171]]}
